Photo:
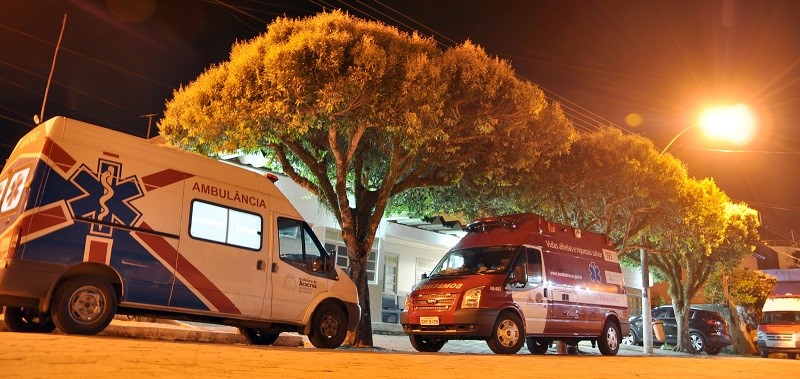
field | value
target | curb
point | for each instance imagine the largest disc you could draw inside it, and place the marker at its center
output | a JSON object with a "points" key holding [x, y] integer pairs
{"points": [[181, 332]]}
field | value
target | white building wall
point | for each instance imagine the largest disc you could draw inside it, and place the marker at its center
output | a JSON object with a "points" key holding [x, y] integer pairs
{"points": [[409, 244]]}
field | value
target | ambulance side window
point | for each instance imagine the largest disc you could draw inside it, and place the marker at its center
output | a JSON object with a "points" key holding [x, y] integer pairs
{"points": [[220, 224], [534, 267]]}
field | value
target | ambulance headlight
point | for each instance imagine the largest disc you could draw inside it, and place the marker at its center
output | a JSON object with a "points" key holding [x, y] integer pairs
{"points": [[472, 298]]}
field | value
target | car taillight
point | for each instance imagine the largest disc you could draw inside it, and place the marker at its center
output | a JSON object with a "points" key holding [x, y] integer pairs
{"points": [[714, 322]]}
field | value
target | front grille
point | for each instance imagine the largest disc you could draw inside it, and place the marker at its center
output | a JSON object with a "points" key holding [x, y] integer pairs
{"points": [[433, 302], [779, 337]]}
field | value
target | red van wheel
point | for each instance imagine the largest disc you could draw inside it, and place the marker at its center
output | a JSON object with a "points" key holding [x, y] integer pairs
{"points": [[609, 340], [508, 334]]}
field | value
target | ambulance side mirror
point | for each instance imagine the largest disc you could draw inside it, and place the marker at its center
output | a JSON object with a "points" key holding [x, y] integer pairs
{"points": [[330, 261]]}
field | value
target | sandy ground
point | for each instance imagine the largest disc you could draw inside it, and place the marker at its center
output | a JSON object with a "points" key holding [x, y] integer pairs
{"points": [[166, 350], [62, 356]]}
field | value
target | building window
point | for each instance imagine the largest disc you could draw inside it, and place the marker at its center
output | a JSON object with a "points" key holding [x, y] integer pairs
{"points": [[216, 223], [424, 266], [343, 260]]}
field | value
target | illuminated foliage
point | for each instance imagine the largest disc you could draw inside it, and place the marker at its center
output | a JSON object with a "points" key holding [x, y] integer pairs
{"points": [[357, 112]]}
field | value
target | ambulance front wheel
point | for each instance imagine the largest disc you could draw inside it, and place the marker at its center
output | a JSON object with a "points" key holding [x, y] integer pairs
{"points": [[328, 327], [426, 344], [508, 334], [609, 340], [84, 305]]}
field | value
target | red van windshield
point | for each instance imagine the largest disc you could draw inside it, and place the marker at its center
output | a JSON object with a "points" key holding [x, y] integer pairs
{"points": [[476, 260]]}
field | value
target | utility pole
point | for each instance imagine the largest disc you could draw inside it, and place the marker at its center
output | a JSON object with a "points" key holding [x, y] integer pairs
{"points": [[149, 122], [647, 317], [40, 117]]}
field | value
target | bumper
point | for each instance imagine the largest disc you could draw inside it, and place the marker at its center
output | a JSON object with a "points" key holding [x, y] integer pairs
{"points": [[27, 284], [719, 340], [784, 348], [468, 323]]}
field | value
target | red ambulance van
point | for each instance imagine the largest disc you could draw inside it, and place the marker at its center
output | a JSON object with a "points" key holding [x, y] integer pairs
{"points": [[521, 279]]}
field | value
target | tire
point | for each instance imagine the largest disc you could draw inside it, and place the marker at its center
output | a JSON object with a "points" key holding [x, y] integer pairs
{"points": [[426, 344], [258, 337], [328, 327], [635, 340], [763, 353], [713, 350], [28, 320], [608, 342], [537, 346], [84, 305], [508, 334], [791, 355], [698, 342]]}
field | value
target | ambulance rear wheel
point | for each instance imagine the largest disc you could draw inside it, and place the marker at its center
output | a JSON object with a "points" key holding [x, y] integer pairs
{"points": [[609, 340], [328, 327], [507, 334], [426, 344], [537, 346], [28, 320], [84, 305], [258, 337]]}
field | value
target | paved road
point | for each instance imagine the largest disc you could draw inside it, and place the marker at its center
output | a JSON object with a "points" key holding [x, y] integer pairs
{"points": [[62, 356]]}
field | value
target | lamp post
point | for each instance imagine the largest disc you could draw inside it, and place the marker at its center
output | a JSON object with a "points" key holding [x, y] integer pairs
{"points": [[733, 123]]}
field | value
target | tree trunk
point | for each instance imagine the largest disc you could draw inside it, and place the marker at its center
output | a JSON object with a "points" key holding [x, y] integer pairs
{"points": [[742, 341], [681, 307], [358, 272]]}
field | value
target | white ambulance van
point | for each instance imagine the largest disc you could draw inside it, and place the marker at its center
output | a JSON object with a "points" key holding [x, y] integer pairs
{"points": [[94, 222], [779, 329], [521, 279]]}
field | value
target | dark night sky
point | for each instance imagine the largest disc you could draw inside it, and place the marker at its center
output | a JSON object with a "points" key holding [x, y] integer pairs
{"points": [[603, 60]]}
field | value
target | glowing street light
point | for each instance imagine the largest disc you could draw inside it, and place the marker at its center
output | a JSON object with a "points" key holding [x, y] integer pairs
{"points": [[734, 123]]}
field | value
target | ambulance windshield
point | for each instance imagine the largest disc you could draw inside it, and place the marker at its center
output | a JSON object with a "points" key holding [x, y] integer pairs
{"points": [[476, 260]]}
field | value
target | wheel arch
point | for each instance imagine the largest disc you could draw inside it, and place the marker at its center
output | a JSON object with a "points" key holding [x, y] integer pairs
{"points": [[611, 316], [309, 316], [86, 268]]}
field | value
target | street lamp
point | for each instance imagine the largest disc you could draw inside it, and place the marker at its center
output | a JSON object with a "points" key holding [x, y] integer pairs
{"points": [[734, 123]]}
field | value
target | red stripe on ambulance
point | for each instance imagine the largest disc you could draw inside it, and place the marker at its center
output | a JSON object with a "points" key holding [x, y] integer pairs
{"points": [[164, 178], [188, 271]]}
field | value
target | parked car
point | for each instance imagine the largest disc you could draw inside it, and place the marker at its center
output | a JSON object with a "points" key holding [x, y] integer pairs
{"points": [[708, 330]]}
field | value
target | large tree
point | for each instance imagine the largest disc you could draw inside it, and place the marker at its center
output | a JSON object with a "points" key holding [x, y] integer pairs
{"points": [[708, 233], [357, 112], [609, 182]]}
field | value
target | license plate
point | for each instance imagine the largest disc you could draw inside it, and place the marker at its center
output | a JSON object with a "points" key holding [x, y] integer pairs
{"points": [[429, 320]]}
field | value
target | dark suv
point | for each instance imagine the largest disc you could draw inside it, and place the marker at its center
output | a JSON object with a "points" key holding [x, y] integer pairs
{"points": [[708, 330]]}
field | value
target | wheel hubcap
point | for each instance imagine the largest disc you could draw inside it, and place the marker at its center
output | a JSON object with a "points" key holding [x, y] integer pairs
{"points": [[86, 304], [507, 333], [329, 326], [612, 338]]}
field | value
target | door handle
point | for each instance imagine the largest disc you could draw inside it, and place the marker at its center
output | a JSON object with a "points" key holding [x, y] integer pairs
{"points": [[260, 265]]}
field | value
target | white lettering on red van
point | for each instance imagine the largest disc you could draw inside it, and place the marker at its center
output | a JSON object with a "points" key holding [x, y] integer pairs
{"points": [[439, 286], [227, 194], [573, 249]]}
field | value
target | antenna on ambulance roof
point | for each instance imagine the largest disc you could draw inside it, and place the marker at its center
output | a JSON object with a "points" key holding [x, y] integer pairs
{"points": [[40, 117]]}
